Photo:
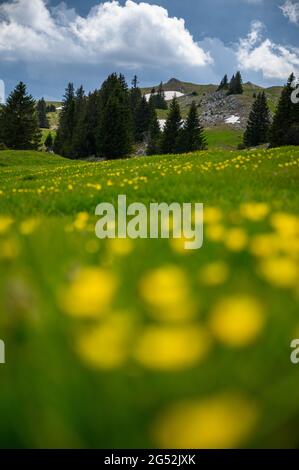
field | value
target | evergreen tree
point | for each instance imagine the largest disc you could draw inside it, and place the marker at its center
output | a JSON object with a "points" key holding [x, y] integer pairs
{"points": [[87, 127], [223, 84], [257, 131], [78, 149], [169, 139], [42, 114], [160, 98], [235, 85], [192, 136], [142, 120], [286, 118], [115, 130], [20, 129], [136, 98], [64, 139], [49, 142], [154, 134]]}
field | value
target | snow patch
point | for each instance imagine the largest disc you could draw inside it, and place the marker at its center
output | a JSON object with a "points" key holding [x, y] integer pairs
{"points": [[169, 95], [232, 119]]}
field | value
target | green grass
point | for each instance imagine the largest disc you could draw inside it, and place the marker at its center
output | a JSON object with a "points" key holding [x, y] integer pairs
{"points": [[223, 137], [51, 395]]}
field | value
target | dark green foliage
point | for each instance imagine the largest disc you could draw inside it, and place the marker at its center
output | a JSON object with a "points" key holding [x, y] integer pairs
{"points": [[169, 140], [286, 119], [19, 122], [223, 84], [135, 99], [235, 85], [41, 108], [192, 136], [49, 142], [157, 98], [154, 134], [142, 120], [257, 131], [64, 139], [115, 130], [50, 108]]}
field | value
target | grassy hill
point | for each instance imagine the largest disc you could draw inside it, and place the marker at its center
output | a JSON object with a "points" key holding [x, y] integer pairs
{"points": [[138, 343]]}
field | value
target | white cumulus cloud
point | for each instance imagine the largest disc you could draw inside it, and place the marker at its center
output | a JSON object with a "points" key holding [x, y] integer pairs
{"points": [[290, 9], [133, 35], [260, 54]]}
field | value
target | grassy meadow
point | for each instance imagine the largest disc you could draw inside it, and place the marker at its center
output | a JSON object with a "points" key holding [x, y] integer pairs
{"points": [[140, 343]]}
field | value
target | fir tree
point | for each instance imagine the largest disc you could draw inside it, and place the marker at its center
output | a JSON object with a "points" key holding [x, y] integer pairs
{"points": [[286, 118], [142, 120], [49, 142], [257, 131], [160, 98], [64, 139], [192, 136], [172, 128], [154, 134], [20, 129], [41, 108], [115, 131], [136, 98], [78, 148], [235, 85], [223, 84]]}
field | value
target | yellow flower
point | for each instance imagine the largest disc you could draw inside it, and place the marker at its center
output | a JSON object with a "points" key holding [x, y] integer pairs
{"points": [[280, 271], [166, 290], [121, 246], [5, 223], [28, 226], [215, 232], [286, 224], [214, 274], [172, 348], [254, 211], [107, 345], [212, 215], [89, 294], [9, 250], [81, 221], [237, 321], [264, 245], [236, 239], [220, 422]]}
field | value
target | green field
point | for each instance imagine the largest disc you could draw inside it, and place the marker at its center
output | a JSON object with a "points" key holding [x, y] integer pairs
{"points": [[140, 343]]}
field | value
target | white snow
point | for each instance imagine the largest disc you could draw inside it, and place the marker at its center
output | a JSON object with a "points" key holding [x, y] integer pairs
{"points": [[169, 95], [161, 123], [232, 119], [59, 109]]}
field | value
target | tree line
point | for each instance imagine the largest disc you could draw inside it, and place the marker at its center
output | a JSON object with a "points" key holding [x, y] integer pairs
{"points": [[232, 87]]}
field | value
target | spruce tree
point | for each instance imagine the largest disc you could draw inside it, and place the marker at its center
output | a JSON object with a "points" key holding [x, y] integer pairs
{"points": [[115, 130], [160, 98], [64, 139], [49, 142], [235, 85], [20, 129], [78, 149], [169, 140], [223, 84], [41, 108], [135, 98], [154, 133], [142, 120], [286, 119], [257, 131], [192, 136]]}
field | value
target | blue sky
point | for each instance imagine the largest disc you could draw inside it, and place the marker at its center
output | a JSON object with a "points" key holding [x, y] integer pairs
{"points": [[48, 43]]}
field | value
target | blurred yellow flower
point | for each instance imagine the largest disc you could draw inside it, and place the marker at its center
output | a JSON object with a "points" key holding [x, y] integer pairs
{"points": [[81, 220], [107, 345], [236, 239], [212, 215], [166, 290], [5, 223], [286, 224], [215, 232], [280, 271], [28, 226], [237, 321], [172, 348], [9, 250], [264, 245], [221, 422], [89, 294], [121, 246], [254, 211], [214, 274]]}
